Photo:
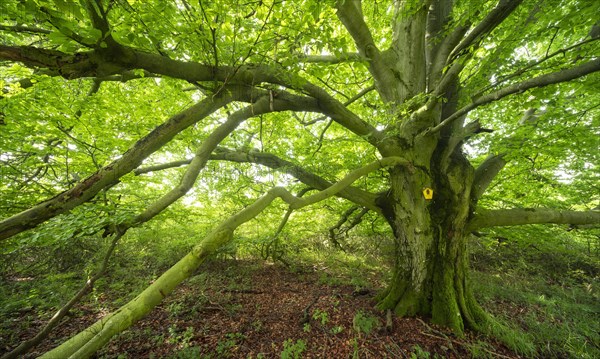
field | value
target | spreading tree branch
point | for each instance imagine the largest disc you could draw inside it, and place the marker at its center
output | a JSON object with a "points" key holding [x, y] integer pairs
{"points": [[485, 173], [532, 65], [350, 101], [22, 28], [521, 216], [263, 105], [540, 81], [109, 175], [350, 14], [353, 194], [487, 25], [117, 58], [331, 59]]}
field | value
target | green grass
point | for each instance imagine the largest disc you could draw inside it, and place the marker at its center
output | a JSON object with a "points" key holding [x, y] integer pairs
{"points": [[540, 295]]}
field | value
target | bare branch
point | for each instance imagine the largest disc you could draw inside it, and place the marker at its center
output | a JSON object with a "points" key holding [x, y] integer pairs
{"points": [[485, 173], [520, 216], [331, 59], [22, 28], [540, 81]]}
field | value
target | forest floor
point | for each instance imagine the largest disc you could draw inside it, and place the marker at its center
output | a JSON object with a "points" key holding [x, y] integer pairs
{"points": [[252, 309]]}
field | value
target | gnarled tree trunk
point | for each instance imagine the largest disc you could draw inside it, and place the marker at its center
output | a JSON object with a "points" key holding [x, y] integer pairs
{"points": [[431, 263]]}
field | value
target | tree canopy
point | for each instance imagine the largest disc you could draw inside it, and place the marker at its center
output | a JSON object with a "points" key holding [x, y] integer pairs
{"points": [[115, 113]]}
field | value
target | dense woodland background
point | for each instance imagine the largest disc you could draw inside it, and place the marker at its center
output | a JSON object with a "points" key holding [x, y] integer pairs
{"points": [[292, 94]]}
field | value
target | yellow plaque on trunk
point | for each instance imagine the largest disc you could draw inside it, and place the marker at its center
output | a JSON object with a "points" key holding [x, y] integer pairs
{"points": [[428, 193]]}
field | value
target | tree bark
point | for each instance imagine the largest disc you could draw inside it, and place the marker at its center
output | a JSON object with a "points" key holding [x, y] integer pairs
{"points": [[431, 266], [520, 216]]}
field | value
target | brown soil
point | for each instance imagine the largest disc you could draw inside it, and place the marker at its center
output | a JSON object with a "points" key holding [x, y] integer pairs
{"points": [[251, 309]]}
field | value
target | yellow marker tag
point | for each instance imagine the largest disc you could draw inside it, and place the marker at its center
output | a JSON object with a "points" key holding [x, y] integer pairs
{"points": [[428, 193]]}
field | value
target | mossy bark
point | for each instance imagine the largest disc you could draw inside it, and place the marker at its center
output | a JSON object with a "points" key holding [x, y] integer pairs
{"points": [[430, 275]]}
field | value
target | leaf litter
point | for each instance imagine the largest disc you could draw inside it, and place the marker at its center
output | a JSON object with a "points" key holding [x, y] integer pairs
{"points": [[253, 309]]}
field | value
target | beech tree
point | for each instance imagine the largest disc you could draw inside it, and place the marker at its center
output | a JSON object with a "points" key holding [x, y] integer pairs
{"points": [[426, 102]]}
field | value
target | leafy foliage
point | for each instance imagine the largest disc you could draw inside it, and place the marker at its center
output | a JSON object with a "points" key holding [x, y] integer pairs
{"points": [[306, 98]]}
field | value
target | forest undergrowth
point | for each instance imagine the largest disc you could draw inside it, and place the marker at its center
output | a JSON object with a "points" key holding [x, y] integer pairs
{"points": [[318, 305]]}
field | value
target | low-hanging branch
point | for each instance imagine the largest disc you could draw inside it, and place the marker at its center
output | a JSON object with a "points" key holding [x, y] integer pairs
{"points": [[109, 175], [263, 105], [90, 340], [353, 194], [520, 216]]}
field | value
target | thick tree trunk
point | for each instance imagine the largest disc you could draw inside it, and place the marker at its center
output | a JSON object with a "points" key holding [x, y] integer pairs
{"points": [[431, 263]]}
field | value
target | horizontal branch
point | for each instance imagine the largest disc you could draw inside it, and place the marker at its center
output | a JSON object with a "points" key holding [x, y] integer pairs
{"points": [[346, 181], [540, 81], [521, 216], [332, 59], [118, 58], [161, 167], [22, 28], [353, 194]]}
